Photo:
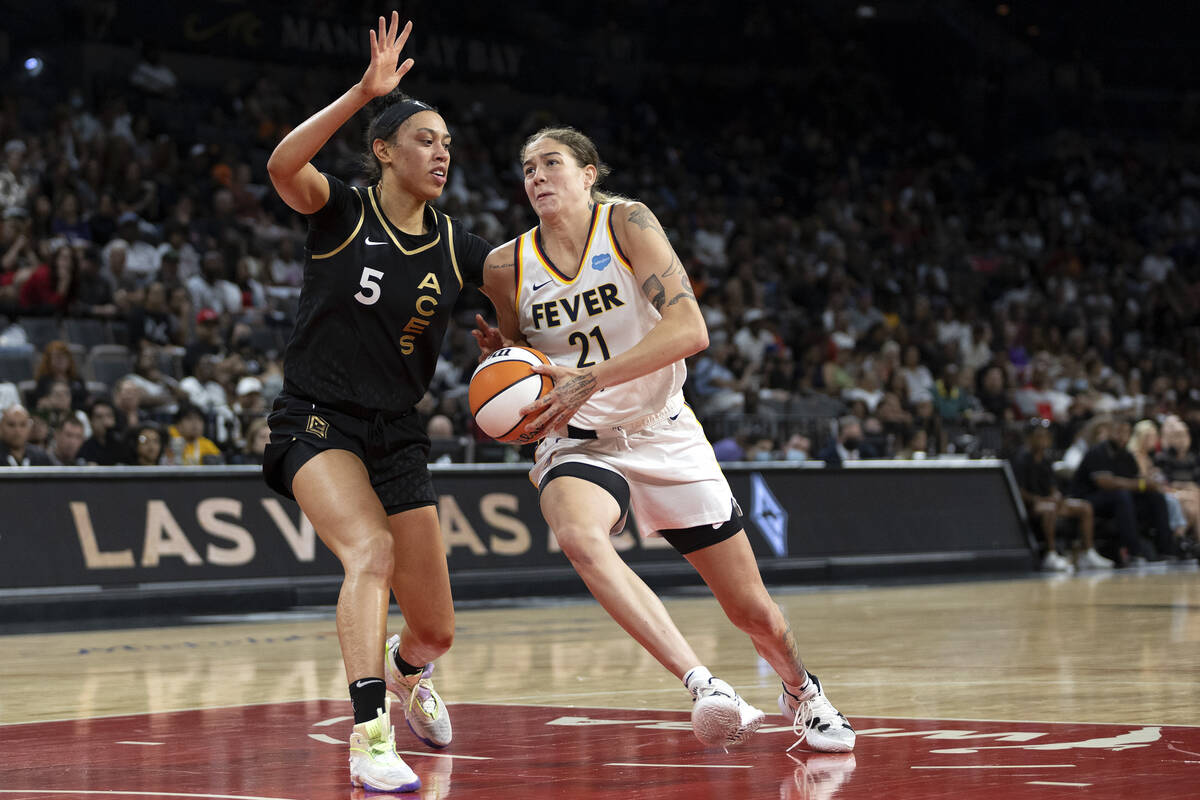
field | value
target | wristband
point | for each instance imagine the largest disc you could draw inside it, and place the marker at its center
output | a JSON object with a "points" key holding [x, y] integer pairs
{"points": [[1141, 484]]}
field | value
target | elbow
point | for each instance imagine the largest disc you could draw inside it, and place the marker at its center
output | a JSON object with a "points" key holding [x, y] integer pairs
{"points": [[697, 341], [276, 168]]}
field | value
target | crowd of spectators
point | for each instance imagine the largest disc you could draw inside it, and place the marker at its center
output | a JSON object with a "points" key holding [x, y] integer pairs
{"points": [[872, 287]]}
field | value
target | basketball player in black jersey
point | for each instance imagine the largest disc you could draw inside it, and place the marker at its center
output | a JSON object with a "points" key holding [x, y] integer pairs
{"points": [[383, 271]]}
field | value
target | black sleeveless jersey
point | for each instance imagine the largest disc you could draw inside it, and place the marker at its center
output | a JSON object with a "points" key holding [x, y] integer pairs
{"points": [[375, 303]]}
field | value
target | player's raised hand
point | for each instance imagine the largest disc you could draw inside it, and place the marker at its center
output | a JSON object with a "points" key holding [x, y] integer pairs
{"points": [[385, 70], [487, 337]]}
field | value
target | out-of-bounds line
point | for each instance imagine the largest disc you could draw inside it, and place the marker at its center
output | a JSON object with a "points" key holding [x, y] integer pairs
{"points": [[999, 766], [443, 755], [119, 793], [684, 766]]}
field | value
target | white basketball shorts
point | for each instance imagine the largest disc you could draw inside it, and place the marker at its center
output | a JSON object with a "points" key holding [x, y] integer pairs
{"points": [[674, 478]]}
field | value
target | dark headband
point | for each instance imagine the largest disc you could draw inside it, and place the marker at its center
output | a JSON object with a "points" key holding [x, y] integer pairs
{"points": [[394, 116]]}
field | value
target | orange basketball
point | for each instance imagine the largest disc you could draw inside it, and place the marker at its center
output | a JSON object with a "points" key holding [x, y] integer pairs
{"points": [[501, 386]]}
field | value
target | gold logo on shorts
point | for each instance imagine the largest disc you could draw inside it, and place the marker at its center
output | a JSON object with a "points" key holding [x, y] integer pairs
{"points": [[317, 426]]}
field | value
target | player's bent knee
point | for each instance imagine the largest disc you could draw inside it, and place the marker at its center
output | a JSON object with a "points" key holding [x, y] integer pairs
{"points": [[438, 639], [370, 554], [758, 617], [581, 544]]}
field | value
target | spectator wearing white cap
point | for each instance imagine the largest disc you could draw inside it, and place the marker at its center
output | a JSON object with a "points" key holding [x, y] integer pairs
{"points": [[249, 403], [753, 338]]}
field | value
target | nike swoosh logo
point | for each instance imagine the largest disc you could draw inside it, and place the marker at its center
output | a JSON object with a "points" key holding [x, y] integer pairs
{"points": [[369, 242], [537, 286], [360, 684], [677, 413]]}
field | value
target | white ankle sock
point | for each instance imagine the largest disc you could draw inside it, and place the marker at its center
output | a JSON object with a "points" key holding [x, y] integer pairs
{"points": [[696, 676], [799, 690]]}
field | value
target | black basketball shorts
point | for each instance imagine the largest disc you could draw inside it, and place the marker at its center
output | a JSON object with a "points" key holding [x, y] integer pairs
{"points": [[393, 447]]}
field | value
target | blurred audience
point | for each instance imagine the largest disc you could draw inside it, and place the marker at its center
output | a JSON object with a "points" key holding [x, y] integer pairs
{"points": [[15, 449], [892, 267], [1107, 478], [105, 447], [1045, 504]]}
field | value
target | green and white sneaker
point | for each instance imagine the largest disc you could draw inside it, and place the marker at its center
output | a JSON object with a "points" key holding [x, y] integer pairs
{"points": [[424, 710], [374, 763]]}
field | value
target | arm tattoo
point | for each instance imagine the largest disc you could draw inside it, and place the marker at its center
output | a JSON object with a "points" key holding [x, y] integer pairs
{"points": [[576, 390], [510, 265], [655, 293], [643, 218], [686, 294], [675, 268]]}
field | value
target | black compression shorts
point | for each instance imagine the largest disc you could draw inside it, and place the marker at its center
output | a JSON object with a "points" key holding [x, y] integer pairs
{"points": [[393, 448]]}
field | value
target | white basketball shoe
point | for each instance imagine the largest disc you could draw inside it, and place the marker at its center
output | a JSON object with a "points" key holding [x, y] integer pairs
{"points": [[374, 763], [720, 716], [424, 710], [815, 720], [1090, 559]]}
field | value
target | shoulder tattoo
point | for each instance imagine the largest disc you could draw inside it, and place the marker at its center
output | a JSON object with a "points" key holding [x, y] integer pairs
{"points": [[645, 219]]}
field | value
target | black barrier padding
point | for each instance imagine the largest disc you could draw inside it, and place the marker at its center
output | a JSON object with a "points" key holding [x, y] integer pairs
{"points": [[112, 527]]}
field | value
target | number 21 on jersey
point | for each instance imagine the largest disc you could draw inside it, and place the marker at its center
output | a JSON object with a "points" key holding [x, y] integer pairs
{"points": [[578, 338], [370, 292]]}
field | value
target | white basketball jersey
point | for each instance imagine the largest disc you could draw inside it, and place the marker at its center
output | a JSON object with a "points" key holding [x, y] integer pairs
{"points": [[596, 314]]}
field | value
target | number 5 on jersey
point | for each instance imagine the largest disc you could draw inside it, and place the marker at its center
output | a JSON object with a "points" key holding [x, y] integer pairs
{"points": [[369, 281]]}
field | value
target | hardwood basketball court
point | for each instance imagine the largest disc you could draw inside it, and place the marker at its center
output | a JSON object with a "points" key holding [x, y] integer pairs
{"points": [[1082, 686]]}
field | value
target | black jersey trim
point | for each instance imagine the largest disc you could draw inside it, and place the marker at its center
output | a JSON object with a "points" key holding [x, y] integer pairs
{"points": [[587, 245], [362, 213], [387, 228], [612, 234], [453, 256]]}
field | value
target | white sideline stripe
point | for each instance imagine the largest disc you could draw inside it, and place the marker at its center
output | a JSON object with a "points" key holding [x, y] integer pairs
{"points": [[688, 766], [442, 755], [148, 744], [118, 793], [331, 721], [320, 737], [1055, 783], [505, 701], [1003, 766]]}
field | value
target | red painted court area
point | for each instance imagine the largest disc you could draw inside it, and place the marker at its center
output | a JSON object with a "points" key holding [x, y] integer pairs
{"points": [[296, 751]]}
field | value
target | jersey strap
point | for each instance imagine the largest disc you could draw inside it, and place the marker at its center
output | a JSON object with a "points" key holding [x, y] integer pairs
{"points": [[453, 256]]}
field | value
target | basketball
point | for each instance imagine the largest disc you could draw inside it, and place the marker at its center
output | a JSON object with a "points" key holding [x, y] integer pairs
{"points": [[501, 386]]}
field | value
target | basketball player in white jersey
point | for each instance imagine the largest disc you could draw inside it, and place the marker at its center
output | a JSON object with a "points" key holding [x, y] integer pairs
{"points": [[598, 288]]}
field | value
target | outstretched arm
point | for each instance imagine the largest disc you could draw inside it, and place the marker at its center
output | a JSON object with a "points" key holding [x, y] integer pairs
{"points": [[298, 182], [500, 286]]}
